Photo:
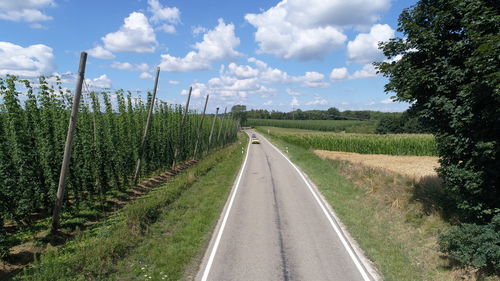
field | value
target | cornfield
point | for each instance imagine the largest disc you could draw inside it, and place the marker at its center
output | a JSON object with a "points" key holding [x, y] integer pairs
{"points": [[348, 126], [392, 144], [33, 127]]}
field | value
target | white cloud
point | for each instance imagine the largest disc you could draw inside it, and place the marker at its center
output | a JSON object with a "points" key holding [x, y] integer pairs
{"points": [[136, 36], [311, 29], [368, 71], [317, 101], [26, 10], [338, 74], [199, 90], [292, 93], [386, 101], [228, 85], [269, 102], [197, 30], [364, 48], [243, 71], [100, 82], [173, 82], [101, 53], [313, 79], [160, 13], [34, 60], [276, 35], [168, 28], [131, 67], [218, 44], [294, 102], [146, 75]]}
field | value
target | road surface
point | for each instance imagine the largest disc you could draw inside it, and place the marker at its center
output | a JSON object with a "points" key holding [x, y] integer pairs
{"points": [[275, 228]]}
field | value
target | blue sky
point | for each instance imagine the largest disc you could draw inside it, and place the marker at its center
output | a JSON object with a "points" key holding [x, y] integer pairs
{"points": [[307, 54]]}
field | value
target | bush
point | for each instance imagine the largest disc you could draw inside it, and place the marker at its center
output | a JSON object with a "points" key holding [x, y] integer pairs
{"points": [[474, 245]]}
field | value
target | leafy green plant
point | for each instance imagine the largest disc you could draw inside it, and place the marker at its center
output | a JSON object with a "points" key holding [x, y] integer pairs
{"points": [[474, 245], [106, 145], [446, 65]]}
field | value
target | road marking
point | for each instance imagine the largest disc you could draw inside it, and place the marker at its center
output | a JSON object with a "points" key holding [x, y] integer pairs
{"points": [[226, 215], [335, 227]]}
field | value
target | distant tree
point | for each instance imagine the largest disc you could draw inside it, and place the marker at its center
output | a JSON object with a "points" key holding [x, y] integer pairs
{"points": [[239, 112], [333, 113], [390, 124], [448, 66]]}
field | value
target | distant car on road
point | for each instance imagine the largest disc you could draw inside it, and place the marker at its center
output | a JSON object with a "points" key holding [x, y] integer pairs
{"points": [[255, 139]]}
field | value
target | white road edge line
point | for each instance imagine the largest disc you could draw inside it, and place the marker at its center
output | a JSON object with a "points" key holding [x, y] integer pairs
{"points": [[226, 215], [337, 230]]}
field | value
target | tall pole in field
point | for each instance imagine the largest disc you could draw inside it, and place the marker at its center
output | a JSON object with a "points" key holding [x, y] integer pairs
{"points": [[222, 124], [226, 128], [69, 143], [146, 128], [199, 128], [212, 129], [176, 152]]}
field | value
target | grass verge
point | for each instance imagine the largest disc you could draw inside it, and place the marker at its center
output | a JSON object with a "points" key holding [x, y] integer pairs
{"points": [[394, 219], [163, 230]]}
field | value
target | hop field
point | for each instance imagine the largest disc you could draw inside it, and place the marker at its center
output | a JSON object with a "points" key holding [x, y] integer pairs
{"points": [[33, 126], [391, 144], [348, 126]]}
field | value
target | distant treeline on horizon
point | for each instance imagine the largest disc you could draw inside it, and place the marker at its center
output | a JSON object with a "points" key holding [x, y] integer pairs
{"points": [[330, 114]]}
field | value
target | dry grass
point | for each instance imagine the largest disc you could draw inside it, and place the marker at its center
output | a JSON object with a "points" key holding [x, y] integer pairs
{"points": [[415, 167]]}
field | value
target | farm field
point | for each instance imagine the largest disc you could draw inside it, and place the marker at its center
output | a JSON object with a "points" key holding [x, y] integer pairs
{"points": [[157, 236], [106, 147], [390, 144], [348, 126], [415, 167]]}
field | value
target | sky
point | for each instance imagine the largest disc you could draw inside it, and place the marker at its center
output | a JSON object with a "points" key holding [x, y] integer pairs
{"points": [[275, 55]]}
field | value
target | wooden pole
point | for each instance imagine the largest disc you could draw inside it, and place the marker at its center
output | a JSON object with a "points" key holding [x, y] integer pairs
{"points": [[212, 129], [226, 128], [176, 152], [222, 124], [69, 143], [146, 128], [199, 128]]}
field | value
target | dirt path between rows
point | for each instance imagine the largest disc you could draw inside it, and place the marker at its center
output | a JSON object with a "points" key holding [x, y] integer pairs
{"points": [[415, 167]]}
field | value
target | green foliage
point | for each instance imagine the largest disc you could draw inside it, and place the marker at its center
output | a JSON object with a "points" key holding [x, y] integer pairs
{"points": [[239, 112], [106, 145], [389, 124], [401, 123], [399, 144], [4, 249], [474, 245], [348, 126], [331, 113], [95, 253], [449, 69]]}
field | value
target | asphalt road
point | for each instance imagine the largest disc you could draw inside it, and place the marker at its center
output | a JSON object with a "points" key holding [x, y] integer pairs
{"points": [[274, 228]]}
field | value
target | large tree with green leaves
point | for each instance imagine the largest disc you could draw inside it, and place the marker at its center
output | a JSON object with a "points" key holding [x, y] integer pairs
{"points": [[448, 66], [239, 112]]}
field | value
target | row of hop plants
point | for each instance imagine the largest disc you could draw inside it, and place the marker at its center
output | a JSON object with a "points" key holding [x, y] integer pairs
{"points": [[33, 128], [348, 126], [392, 144]]}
